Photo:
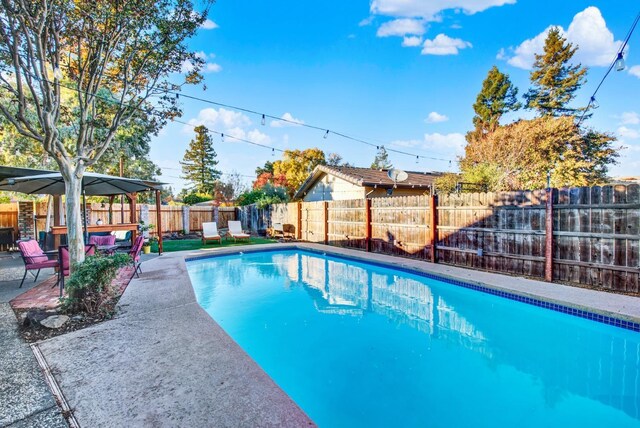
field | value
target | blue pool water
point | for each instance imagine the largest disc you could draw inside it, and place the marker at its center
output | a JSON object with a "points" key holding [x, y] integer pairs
{"points": [[361, 345]]}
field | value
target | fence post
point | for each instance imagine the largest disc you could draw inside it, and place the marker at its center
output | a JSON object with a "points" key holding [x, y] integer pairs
{"points": [[367, 219], [433, 227], [299, 225], [185, 219], [548, 238], [326, 222]]}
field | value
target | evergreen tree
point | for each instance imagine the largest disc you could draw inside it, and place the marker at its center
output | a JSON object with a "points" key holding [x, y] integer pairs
{"points": [[497, 97], [381, 161], [554, 80], [199, 162]]}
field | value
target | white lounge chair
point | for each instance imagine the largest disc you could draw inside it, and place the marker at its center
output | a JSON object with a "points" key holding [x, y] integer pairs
{"points": [[236, 232], [210, 232], [277, 230]]}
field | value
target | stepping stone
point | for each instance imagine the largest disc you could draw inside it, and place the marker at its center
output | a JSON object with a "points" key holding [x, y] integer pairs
{"points": [[55, 321]]}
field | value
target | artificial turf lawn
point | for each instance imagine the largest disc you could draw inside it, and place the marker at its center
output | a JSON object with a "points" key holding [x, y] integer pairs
{"points": [[196, 244]]}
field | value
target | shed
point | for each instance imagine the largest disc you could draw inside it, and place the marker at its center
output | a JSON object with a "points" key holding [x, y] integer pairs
{"points": [[334, 183]]}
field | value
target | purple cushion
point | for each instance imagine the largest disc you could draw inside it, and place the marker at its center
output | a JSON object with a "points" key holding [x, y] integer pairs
{"points": [[102, 240], [32, 252]]}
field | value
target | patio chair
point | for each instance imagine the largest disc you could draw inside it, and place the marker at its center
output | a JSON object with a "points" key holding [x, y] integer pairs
{"points": [[105, 240], [236, 232], [210, 232], [65, 266], [134, 253], [34, 258]]}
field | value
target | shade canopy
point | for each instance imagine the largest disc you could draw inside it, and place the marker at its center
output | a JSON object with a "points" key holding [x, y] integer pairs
{"points": [[93, 184]]}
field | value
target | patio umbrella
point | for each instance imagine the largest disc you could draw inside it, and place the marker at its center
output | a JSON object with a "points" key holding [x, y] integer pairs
{"points": [[93, 184]]}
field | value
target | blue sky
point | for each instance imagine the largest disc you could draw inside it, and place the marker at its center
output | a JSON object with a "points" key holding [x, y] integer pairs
{"points": [[400, 73]]}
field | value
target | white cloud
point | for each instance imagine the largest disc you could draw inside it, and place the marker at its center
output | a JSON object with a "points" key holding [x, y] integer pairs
{"points": [[444, 45], [208, 67], [406, 143], [288, 118], [629, 133], [435, 117], [502, 54], [635, 71], [455, 26], [212, 67], [411, 41], [430, 9], [209, 25], [443, 142], [630, 118], [367, 21], [402, 27], [219, 120], [588, 31], [258, 137]]}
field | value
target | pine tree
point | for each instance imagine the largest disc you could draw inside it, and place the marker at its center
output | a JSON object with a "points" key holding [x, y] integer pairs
{"points": [[497, 97], [199, 163], [554, 80], [381, 160]]}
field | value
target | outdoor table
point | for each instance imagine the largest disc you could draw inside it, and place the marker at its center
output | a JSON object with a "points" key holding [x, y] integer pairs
{"points": [[107, 249]]}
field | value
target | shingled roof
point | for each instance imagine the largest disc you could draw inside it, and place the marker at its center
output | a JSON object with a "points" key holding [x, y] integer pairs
{"points": [[367, 177]]}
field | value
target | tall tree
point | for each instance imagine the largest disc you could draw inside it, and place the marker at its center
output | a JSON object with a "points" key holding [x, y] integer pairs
{"points": [[112, 55], [199, 162], [497, 97], [554, 79], [268, 167], [296, 166], [519, 155], [381, 161]]}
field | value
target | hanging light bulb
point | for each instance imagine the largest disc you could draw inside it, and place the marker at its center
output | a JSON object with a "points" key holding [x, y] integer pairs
{"points": [[326, 134], [417, 159], [264, 120], [177, 96], [273, 152], [620, 62], [594, 103], [222, 137]]}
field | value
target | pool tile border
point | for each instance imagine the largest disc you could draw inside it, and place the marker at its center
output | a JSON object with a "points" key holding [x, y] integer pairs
{"points": [[581, 313]]}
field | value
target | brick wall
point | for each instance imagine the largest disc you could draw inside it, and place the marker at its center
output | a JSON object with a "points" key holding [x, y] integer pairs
{"points": [[26, 223]]}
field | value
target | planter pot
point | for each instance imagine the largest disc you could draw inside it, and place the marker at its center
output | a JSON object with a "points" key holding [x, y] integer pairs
{"points": [[146, 249]]}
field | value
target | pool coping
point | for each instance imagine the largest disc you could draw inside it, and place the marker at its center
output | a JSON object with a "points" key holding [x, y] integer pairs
{"points": [[607, 308]]}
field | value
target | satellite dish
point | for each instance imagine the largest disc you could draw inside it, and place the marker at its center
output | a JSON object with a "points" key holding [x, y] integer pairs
{"points": [[397, 175]]}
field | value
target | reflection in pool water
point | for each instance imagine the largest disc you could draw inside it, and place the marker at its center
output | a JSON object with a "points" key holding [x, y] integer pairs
{"points": [[361, 345]]}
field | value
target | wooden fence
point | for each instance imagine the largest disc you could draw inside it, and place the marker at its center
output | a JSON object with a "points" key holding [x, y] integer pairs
{"points": [[174, 218], [588, 235]]}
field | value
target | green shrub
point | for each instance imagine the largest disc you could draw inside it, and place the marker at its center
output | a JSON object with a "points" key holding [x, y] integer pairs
{"points": [[89, 285], [196, 198]]}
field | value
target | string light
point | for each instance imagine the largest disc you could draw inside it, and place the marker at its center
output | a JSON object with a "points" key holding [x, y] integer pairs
{"points": [[263, 120], [618, 63], [222, 137], [417, 159], [273, 152]]}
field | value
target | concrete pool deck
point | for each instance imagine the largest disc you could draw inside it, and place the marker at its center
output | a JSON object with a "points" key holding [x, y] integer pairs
{"points": [[162, 361]]}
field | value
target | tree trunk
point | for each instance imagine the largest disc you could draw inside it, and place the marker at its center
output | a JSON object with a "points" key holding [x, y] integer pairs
{"points": [[75, 238]]}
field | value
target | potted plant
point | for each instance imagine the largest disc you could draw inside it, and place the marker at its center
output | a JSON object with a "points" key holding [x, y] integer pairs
{"points": [[144, 229]]}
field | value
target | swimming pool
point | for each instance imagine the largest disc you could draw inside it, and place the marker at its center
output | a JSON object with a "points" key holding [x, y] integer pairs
{"points": [[356, 344]]}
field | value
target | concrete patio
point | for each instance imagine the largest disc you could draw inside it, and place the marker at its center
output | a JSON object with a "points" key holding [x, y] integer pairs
{"points": [[162, 361], [24, 394]]}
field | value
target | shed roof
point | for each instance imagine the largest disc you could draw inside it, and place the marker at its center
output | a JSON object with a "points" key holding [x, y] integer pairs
{"points": [[367, 177]]}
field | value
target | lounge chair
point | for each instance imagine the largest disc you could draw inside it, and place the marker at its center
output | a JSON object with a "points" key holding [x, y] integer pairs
{"points": [[64, 265], [277, 230], [34, 258], [210, 232], [236, 232]]}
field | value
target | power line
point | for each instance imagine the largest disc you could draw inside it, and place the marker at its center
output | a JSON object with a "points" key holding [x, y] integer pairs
{"points": [[619, 57]]}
